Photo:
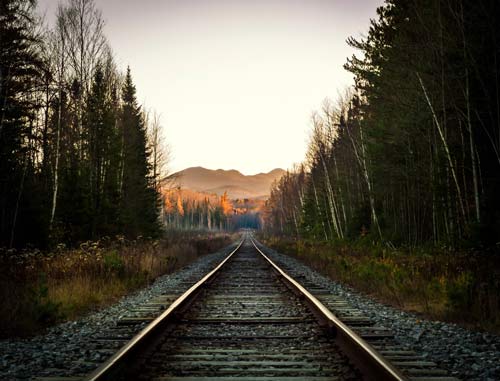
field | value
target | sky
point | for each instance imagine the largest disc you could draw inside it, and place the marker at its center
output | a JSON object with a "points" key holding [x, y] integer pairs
{"points": [[235, 81]]}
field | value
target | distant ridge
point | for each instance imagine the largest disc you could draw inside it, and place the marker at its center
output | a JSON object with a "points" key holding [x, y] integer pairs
{"points": [[236, 184]]}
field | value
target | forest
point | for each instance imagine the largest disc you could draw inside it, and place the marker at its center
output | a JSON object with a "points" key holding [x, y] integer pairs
{"points": [[83, 174], [185, 209], [410, 154], [376, 256], [80, 159], [397, 194], [407, 162]]}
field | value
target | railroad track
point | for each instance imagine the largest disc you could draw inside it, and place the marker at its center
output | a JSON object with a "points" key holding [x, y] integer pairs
{"points": [[247, 319]]}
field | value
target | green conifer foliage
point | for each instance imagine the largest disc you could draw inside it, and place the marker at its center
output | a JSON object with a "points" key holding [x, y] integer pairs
{"points": [[138, 206], [21, 72]]}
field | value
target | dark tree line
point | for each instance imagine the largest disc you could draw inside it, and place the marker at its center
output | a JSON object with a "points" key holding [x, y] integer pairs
{"points": [[75, 161], [411, 154]]}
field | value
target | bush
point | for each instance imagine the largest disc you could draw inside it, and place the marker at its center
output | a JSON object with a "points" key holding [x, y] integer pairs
{"points": [[44, 310], [113, 263], [39, 289], [460, 292], [456, 286]]}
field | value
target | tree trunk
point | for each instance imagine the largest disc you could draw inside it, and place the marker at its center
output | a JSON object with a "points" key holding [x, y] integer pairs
{"points": [[58, 137], [445, 145]]}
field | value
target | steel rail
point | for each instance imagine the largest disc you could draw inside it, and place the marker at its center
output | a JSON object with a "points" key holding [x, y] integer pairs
{"points": [[371, 363], [107, 370]]}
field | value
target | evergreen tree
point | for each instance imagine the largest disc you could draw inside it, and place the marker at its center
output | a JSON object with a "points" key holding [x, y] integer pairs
{"points": [[21, 72], [103, 153], [139, 200], [412, 156], [71, 155]]}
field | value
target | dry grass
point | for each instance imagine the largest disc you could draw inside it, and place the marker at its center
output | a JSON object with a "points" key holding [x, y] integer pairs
{"points": [[461, 287], [39, 289], [74, 296]]}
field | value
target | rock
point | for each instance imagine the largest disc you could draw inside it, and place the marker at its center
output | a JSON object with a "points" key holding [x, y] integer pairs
{"points": [[452, 347], [69, 348]]}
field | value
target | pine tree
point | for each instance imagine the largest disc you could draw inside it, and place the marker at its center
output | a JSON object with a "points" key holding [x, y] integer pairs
{"points": [[139, 200], [103, 153], [413, 155], [21, 71]]}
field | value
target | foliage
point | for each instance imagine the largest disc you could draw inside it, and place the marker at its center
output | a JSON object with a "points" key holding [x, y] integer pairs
{"points": [[74, 155], [21, 74], [39, 289], [113, 263], [185, 209], [139, 200], [188, 209], [454, 286], [409, 156], [398, 193]]}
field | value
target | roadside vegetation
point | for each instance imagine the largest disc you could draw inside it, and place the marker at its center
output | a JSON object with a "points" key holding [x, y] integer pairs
{"points": [[398, 191], [80, 160], [39, 289], [437, 283]]}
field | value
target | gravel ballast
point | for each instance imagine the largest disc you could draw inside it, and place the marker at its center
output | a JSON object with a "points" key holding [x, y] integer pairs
{"points": [[70, 348], [465, 354]]}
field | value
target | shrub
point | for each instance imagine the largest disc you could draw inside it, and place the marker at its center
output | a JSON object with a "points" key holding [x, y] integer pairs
{"points": [[39, 289], [113, 263], [44, 310], [460, 292], [458, 286]]}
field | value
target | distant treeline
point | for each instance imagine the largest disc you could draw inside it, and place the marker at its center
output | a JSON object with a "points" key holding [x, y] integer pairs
{"points": [[189, 210], [75, 159], [411, 154]]}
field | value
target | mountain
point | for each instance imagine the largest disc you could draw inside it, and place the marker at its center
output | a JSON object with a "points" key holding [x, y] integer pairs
{"points": [[233, 182]]}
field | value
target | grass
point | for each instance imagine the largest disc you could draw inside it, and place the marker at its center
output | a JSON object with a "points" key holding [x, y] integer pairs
{"points": [[438, 283], [39, 289]]}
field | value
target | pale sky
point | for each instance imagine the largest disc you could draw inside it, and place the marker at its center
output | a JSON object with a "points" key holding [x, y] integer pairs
{"points": [[235, 81]]}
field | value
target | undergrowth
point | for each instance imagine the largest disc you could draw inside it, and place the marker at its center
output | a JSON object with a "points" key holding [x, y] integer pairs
{"points": [[39, 289], [439, 283]]}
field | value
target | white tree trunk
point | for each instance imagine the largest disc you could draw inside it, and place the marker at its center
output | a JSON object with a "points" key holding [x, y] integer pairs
{"points": [[445, 145]]}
